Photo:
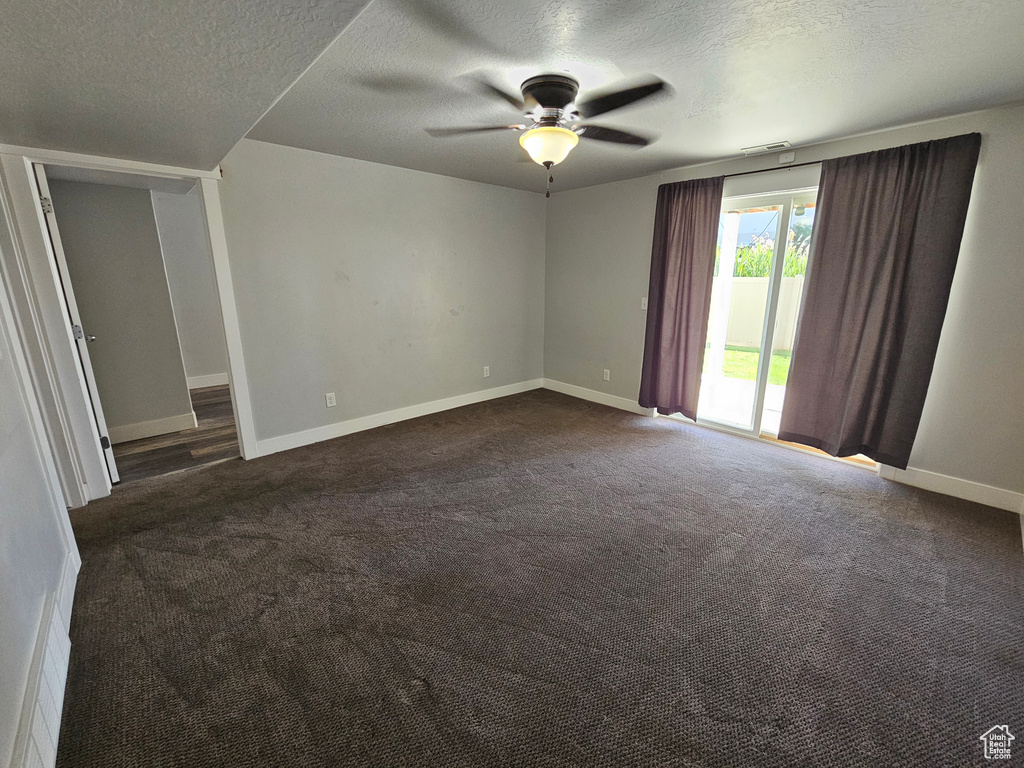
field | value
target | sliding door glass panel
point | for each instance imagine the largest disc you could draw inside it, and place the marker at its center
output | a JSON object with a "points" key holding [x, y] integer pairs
{"points": [[739, 300], [791, 292]]}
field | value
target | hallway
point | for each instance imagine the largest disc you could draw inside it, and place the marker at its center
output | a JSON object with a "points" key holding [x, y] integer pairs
{"points": [[214, 439]]}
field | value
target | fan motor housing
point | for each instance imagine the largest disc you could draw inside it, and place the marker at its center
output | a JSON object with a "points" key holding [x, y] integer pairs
{"points": [[551, 91]]}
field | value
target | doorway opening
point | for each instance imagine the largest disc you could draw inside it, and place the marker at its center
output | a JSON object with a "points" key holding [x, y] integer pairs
{"points": [[762, 254], [133, 259]]}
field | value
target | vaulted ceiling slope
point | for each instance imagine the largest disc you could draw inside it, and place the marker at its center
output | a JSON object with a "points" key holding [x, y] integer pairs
{"points": [[746, 72], [166, 82]]}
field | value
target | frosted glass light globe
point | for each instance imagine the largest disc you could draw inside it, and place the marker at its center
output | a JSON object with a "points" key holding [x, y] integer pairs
{"points": [[548, 143]]}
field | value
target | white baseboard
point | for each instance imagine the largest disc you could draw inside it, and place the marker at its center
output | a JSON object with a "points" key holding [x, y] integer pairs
{"points": [[209, 380], [341, 428], [152, 428], [931, 481], [955, 486], [65, 593], [594, 396], [35, 743], [951, 486]]}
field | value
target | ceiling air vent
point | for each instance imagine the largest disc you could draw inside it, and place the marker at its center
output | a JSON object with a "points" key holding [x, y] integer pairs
{"points": [[761, 148]]}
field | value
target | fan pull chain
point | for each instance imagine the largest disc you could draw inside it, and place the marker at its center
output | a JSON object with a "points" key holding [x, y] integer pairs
{"points": [[551, 179]]}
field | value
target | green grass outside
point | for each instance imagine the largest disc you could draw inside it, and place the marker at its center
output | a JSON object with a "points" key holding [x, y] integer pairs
{"points": [[741, 363]]}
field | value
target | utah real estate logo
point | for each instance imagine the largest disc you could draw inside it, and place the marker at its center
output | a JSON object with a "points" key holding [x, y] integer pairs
{"points": [[997, 742]]}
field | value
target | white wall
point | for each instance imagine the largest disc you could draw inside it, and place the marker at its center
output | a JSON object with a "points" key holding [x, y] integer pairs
{"points": [[387, 286], [186, 250], [32, 548], [113, 254], [598, 260]]}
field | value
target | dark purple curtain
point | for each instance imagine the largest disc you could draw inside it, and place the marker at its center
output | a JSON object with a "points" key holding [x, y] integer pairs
{"points": [[679, 298], [883, 252]]}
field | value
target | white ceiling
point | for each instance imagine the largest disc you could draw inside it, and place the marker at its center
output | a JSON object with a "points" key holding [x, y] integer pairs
{"points": [[167, 82], [746, 72]]}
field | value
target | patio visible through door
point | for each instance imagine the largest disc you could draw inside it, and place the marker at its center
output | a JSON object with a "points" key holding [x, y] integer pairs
{"points": [[761, 260]]}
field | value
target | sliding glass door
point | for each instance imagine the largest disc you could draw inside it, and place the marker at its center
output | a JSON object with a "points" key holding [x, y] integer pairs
{"points": [[790, 298], [763, 245]]}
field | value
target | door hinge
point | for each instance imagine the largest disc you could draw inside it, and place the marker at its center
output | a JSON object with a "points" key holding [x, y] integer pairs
{"points": [[47, 204], [77, 332], [105, 442]]}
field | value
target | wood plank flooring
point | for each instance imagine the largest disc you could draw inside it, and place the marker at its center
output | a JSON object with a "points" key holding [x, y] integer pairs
{"points": [[859, 459], [214, 439]]}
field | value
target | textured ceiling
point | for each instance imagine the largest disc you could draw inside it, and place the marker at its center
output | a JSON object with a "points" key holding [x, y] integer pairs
{"points": [[745, 72], [167, 82]]}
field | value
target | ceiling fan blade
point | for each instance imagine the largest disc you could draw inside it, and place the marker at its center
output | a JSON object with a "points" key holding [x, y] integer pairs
{"points": [[440, 133], [395, 84], [614, 135], [445, 23], [494, 90], [486, 87], [601, 103]]}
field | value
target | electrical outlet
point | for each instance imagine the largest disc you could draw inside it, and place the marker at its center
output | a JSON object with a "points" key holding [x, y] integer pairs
{"points": [[643, 303], [607, 375], [331, 400], [487, 371]]}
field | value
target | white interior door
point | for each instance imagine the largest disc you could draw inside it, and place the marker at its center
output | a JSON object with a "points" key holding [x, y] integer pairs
{"points": [[80, 334]]}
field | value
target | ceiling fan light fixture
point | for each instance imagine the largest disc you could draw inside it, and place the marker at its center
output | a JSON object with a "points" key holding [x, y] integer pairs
{"points": [[548, 144]]}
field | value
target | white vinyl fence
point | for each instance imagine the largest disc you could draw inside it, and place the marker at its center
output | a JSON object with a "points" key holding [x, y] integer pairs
{"points": [[749, 302]]}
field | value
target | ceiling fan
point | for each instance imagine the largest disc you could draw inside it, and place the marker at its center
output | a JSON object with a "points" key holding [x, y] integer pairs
{"points": [[554, 115]]}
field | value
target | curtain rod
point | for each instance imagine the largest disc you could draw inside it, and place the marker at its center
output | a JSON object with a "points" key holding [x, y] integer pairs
{"points": [[768, 170]]}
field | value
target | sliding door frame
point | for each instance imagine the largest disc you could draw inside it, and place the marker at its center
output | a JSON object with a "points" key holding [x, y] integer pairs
{"points": [[785, 199], [768, 330]]}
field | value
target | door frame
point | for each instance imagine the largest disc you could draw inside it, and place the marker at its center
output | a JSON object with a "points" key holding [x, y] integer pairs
{"points": [[34, 290]]}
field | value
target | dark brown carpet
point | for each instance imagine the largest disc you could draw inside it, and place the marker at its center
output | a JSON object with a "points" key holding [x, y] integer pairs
{"points": [[538, 581]]}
